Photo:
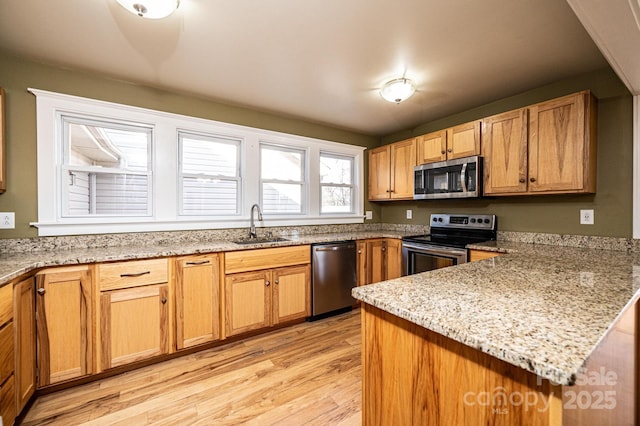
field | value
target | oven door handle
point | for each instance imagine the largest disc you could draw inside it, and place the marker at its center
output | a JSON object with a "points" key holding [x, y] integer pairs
{"points": [[463, 177], [433, 249]]}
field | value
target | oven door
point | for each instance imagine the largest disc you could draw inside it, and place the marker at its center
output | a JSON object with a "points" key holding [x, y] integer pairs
{"points": [[418, 258]]}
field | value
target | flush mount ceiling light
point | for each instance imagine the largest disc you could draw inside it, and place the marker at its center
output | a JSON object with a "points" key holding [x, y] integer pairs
{"points": [[152, 9], [397, 90]]}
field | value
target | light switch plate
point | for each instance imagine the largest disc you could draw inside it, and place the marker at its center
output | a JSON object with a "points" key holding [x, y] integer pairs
{"points": [[586, 217], [368, 214], [7, 220], [409, 214]]}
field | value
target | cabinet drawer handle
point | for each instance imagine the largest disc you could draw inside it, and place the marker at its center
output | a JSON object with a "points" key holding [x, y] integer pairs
{"points": [[202, 262], [41, 291], [532, 179], [267, 283], [137, 274], [164, 300]]}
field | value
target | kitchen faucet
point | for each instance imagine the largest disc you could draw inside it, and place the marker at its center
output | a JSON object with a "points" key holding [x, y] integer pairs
{"points": [[252, 228]]}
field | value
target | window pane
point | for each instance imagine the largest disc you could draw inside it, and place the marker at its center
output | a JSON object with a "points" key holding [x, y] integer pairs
{"points": [[336, 169], [336, 199], [281, 198], [209, 196], [217, 157], [281, 164], [107, 194], [94, 144]]}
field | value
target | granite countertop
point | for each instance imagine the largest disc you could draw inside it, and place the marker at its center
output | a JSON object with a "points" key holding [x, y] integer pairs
{"points": [[15, 265], [542, 308]]}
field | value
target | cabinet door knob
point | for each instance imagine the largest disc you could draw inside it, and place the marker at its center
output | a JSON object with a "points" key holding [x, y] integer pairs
{"points": [[532, 179], [359, 251], [450, 150], [164, 300], [443, 152], [41, 291], [267, 283], [384, 248], [522, 180], [277, 281]]}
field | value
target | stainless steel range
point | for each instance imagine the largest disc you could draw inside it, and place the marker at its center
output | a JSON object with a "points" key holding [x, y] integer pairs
{"points": [[446, 244]]}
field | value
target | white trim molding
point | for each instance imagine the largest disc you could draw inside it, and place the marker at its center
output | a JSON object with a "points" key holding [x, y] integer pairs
{"points": [[636, 167]]}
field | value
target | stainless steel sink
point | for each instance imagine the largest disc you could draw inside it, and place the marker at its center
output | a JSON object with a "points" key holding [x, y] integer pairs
{"points": [[260, 240]]}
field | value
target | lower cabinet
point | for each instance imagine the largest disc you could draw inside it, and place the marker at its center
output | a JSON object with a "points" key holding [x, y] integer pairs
{"points": [[134, 324], [64, 318], [260, 299], [8, 402], [379, 259], [257, 296], [7, 377], [475, 255], [197, 300], [25, 340]]}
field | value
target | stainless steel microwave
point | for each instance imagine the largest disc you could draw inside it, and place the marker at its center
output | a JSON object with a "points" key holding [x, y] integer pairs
{"points": [[459, 178]]}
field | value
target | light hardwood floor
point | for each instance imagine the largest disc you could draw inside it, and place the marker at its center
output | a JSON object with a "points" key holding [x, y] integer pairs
{"points": [[305, 374]]}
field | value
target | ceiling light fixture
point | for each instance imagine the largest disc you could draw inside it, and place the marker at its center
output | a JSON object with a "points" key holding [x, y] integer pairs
{"points": [[152, 9], [397, 90]]}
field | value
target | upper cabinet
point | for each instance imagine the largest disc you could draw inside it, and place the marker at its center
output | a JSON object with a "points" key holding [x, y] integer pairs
{"points": [[456, 142], [547, 148], [391, 171]]}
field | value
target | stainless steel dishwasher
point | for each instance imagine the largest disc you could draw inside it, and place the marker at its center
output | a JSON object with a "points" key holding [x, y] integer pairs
{"points": [[333, 276]]}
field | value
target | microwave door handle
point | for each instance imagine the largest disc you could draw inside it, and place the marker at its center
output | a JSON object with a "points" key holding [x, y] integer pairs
{"points": [[463, 177]]}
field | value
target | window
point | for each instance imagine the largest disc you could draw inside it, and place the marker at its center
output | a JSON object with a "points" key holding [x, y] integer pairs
{"points": [[113, 168], [209, 175], [106, 168], [336, 183], [282, 179]]}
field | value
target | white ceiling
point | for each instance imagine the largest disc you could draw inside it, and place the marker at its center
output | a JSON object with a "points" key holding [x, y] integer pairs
{"points": [[319, 60]]}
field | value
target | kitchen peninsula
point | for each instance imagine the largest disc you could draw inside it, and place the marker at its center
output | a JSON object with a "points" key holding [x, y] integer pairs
{"points": [[541, 335]]}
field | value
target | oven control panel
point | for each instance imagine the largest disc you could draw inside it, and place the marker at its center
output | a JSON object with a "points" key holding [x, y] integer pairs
{"points": [[466, 221]]}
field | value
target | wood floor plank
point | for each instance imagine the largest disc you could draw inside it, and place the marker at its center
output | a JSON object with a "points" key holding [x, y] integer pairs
{"points": [[305, 374]]}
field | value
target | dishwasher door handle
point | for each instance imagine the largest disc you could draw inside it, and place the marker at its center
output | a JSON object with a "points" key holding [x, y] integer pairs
{"points": [[336, 248]]}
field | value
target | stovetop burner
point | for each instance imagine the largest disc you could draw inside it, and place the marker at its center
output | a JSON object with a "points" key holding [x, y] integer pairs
{"points": [[458, 230]]}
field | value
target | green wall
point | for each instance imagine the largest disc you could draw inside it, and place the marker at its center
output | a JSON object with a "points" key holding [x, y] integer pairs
{"points": [[16, 75], [558, 213]]}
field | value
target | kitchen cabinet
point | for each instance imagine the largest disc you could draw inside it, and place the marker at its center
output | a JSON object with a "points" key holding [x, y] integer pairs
{"points": [[134, 292], [7, 387], [475, 255], [546, 148], [64, 312], [197, 300], [391, 171], [456, 142], [25, 341], [265, 287], [379, 259]]}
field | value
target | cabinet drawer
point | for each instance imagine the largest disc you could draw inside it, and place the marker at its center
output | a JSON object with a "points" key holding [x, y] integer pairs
{"points": [[6, 351], [133, 274], [6, 304], [253, 260]]}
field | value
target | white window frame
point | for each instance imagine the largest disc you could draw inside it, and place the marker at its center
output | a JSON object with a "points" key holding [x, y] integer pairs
{"points": [[165, 170], [304, 182], [636, 167], [343, 185]]}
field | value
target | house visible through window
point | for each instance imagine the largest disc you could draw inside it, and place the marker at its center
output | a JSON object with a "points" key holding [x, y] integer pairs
{"points": [[209, 175], [336, 183], [106, 169], [282, 179]]}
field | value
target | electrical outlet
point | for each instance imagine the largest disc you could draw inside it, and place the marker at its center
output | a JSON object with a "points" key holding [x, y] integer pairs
{"points": [[586, 279], [7, 220], [368, 214], [586, 217], [409, 214]]}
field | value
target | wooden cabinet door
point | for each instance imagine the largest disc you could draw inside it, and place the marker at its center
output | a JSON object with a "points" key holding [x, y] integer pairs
{"points": [[379, 173], [376, 256], [557, 145], [8, 401], [463, 140], [134, 324], [291, 293], [432, 147], [361, 262], [393, 260], [247, 301], [25, 340], [403, 160], [64, 317], [197, 300], [504, 150]]}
